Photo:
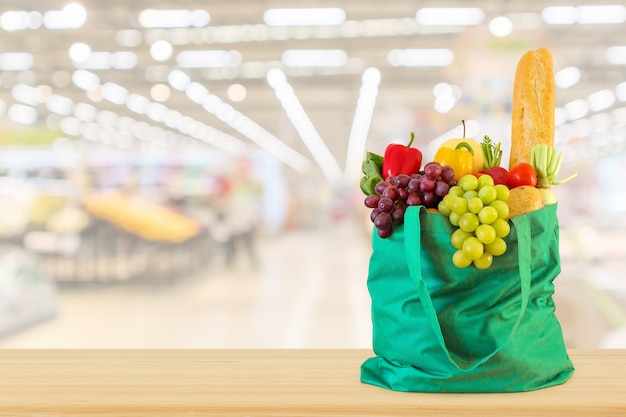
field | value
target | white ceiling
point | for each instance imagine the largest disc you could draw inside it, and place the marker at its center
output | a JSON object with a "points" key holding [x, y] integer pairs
{"points": [[483, 67]]}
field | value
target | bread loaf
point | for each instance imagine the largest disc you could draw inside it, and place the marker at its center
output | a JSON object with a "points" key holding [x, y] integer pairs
{"points": [[533, 105]]}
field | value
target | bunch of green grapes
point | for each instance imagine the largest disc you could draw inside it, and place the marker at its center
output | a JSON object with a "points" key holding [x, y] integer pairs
{"points": [[479, 209]]}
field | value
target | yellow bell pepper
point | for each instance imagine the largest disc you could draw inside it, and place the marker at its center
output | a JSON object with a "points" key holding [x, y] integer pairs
{"points": [[460, 159], [476, 147]]}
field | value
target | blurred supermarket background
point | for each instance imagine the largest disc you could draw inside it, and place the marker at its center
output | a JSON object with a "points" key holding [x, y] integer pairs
{"points": [[185, 174]]}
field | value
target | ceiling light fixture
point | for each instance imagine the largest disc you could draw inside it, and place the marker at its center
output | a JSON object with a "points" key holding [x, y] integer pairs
{"points": [[236, 92], [85, 112], [619, 115], [112, 129], [59, 104], [567, 77], [42, 92], [156, 111], [303, 125], [616, 55], [244, 125], [610, 14], [601, 100], [314, 58], [178, 80], [178, 18], [123, 60], [620, 92], [72, 16], [559, 15], [79, 52], [95, 94], [208, 59], [332, 16], [70, 126], [601, 122], [444, 103], [114, 93], [25, 94], [16, 61], [363, 114], [576, 109], [137, 103], [161, 50], [585, 15], [95, 61], [368, 28], [160, 92], [436, 57], [196, 92], [446, 96], [20, 20], [501, 26], [14, 20], [85, 80], [23, 114], [450, 16]]}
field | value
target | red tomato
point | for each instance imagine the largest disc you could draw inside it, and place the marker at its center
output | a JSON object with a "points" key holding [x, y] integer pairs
{"points": [[522, 174]]}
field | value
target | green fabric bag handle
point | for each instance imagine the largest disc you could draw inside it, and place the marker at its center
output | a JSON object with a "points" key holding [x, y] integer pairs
{"points": [[412, 244]]}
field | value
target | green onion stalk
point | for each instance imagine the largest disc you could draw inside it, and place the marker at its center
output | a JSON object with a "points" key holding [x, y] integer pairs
{"points": [[546, 160]]}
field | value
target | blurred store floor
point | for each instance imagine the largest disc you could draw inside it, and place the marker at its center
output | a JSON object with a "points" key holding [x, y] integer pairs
{"points": [[308, 289]]}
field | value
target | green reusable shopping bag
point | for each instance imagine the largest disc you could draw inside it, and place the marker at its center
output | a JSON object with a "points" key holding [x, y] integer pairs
{"points": [[438, 328]]}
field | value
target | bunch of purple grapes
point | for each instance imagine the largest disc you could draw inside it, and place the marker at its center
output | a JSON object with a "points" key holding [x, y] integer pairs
{"points": [[396, 193]]}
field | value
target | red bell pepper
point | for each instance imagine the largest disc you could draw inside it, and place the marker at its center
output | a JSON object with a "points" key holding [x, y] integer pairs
{"points": [[499, 174], [400, 159]]}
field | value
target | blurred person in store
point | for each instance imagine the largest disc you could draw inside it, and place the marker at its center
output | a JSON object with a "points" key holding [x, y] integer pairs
{"points": [[238, 217], [244, 223]]}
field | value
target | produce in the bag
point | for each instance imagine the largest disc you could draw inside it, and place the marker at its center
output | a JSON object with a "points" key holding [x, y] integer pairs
{"points": [[492, 158], [532, 105], [546, 161], [522, 174], [499, 174], [400, 159], [394, 194], [524, 199], [477, 152], [479, 209], [371, 167], [464, 156], [492, 154], [460, 159]]}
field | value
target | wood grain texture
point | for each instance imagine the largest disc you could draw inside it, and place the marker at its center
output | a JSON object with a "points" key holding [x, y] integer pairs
{"points": [[267, 382]]}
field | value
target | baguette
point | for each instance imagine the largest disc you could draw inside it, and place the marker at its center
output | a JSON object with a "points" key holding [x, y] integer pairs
{"points": [[533, 105]]}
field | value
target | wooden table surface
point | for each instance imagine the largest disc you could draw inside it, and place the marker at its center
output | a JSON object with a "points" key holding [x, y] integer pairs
{"points": [[268, 382]]}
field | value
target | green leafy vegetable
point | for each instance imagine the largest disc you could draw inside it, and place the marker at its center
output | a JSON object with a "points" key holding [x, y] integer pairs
{"points": [[492, 153], [372, 167]]}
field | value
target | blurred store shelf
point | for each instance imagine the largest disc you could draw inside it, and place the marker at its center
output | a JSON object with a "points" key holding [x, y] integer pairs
{"points": [[26, 296], [308, 289]]}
